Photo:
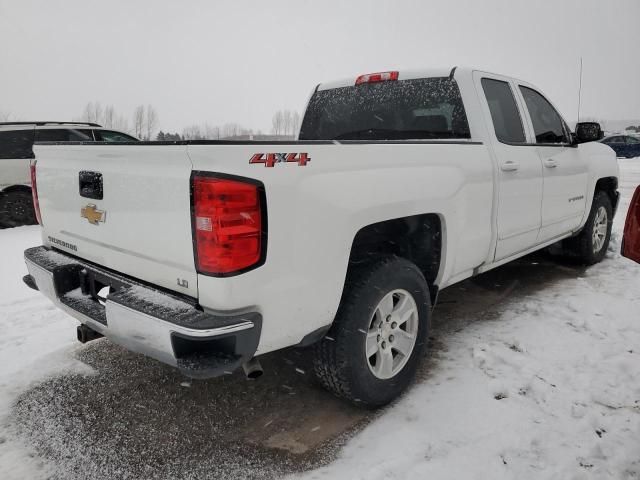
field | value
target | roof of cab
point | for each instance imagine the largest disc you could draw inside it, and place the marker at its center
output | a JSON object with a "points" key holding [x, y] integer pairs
{"points": [[402, 75]]}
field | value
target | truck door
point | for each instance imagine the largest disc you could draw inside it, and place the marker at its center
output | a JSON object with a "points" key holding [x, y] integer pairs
{"points": [[519, 168], [564, 172]]}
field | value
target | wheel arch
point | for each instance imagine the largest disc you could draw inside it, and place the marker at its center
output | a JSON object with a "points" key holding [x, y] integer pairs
{"points": [[609, 185], [17, 188], [417, 238]]}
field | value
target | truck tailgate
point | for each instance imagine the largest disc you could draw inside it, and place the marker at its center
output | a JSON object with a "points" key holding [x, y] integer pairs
{"points": [[140, 225]]}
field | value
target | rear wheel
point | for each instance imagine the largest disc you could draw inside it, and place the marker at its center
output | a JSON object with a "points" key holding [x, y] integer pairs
{"points": [[372, 351], [16, 209], [590, 245]]}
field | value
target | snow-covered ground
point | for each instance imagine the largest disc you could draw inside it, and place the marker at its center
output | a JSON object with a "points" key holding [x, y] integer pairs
{"points": [[35, 339], [550, 389]]}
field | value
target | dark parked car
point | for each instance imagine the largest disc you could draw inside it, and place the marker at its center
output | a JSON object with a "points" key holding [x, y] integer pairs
{"points": [[16, 142], [624, 145]]}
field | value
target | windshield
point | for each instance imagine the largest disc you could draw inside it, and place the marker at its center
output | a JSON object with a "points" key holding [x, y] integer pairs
{"points": [[429, 108]]}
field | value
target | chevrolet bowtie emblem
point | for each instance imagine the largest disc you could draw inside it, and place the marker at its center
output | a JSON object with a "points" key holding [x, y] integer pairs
{"points": [[91, 213]]}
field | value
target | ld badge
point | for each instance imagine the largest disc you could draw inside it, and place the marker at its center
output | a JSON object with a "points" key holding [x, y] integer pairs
{"points": [[93, 215]]}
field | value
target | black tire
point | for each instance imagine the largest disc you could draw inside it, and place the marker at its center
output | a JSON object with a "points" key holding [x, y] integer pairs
{"points": [[582, 246], [16, 209], [340, 361]]}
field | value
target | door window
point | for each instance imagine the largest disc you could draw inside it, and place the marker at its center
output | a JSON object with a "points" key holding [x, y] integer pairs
{"points": [[504, 111], [633, 140], [548, 125]]}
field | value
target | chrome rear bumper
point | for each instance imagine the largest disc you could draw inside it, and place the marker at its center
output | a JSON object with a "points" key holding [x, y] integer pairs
{"points": [[165, 326]]}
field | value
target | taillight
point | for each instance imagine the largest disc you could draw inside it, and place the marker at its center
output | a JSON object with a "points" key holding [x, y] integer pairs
{"points": [[229, 224], [34, 192], [377, 77]]}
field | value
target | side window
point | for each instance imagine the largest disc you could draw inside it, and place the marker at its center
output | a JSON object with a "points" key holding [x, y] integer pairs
{"points": [[51, 135], [504, 111], [64, 135], [16, 144], [113, 137], [80, 135], [547, 123], [633, 140]]}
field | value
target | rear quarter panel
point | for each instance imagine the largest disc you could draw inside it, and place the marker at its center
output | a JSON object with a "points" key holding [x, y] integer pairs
{"points": [[315, 211]]}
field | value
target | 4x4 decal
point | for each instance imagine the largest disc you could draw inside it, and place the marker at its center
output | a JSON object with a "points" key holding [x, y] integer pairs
{"points": [[270, 159]]}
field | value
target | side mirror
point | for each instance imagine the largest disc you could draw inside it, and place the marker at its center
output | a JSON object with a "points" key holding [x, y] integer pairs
{"points": [[588, 132]]}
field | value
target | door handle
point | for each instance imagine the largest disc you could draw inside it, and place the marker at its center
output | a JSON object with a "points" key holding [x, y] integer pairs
{"points": [[550, 163], [509, 166]]}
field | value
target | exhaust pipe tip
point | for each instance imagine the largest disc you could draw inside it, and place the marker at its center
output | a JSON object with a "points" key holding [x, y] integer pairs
{"points": [[86, 334], [252, 369]]}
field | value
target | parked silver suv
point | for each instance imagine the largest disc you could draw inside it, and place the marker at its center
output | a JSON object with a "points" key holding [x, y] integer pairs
{"points": [[16, 142]]}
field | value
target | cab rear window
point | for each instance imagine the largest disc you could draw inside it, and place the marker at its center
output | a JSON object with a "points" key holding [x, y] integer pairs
{"points": [[420, 109]]}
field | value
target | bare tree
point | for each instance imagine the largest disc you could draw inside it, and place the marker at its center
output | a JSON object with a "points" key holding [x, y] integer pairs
{"points": [[89, 114], [98, 113], [151, 121], [296, 124], [277, 123], [108, 118], [230, 130], [212, 133], [5, 116], [139, 121], [287, 120], [192, 132], [121, 123]]}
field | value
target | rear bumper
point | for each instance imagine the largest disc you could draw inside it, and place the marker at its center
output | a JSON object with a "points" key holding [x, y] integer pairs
{"points": [[161, 325]]}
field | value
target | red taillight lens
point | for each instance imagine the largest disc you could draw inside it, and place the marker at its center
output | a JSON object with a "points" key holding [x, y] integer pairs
{"points": [[34, 192], [377, 77], [228, 225]]}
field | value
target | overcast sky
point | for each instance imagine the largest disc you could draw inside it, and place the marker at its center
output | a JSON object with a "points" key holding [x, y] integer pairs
{"points": [[239, 61]]}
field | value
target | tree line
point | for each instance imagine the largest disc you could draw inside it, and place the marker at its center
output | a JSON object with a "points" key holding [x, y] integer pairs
{"points": [[144, 120], [284, 124]]}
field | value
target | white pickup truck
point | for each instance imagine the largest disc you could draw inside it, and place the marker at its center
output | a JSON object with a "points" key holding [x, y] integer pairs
{"points": [[207, 254]]}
